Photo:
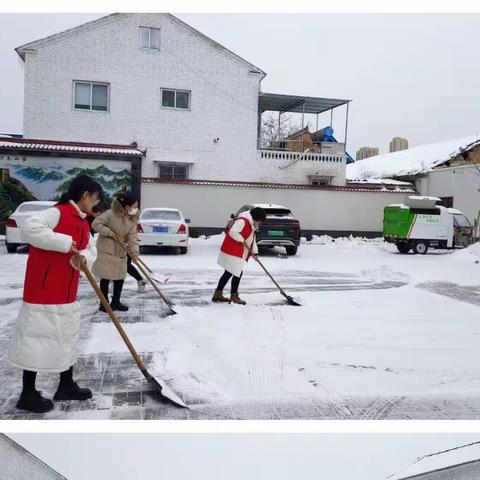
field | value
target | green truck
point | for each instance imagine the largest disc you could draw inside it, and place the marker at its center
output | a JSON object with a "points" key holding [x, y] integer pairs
{"points": [[420, 223]]}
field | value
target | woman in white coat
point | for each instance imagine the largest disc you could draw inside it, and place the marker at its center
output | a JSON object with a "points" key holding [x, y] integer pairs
{"points": [[48, 322], [235, 250]]}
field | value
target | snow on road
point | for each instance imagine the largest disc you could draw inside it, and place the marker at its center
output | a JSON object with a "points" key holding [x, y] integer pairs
{"points": [[375, 327]]}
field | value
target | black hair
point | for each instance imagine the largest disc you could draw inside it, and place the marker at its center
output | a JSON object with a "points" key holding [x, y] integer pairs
{"points": [[78, 186], [258, 214], [126, 198]]}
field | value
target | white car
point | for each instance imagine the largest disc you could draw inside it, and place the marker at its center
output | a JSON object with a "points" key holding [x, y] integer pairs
{"points": [[16, 220], [163, 227]]}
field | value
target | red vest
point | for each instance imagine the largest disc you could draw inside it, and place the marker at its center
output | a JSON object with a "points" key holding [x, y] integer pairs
{"points": [[49, 278], [231, 246]]}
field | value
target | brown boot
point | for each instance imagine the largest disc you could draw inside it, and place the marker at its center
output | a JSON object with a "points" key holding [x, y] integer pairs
{"points": [[219, 297], [234, 298]]}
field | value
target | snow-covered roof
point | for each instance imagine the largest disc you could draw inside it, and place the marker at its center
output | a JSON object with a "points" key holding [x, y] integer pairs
{"points": [[439, 461], [409, 162], [68, 147], [269, 205]]}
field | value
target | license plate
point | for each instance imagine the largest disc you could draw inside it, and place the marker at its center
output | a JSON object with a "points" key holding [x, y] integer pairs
{"points": [[160, 229], [276, 233]]}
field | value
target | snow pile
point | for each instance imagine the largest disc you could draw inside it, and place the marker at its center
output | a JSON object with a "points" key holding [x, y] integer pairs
{"points": [[342, 242], [470, 253], [408, 162], [440, 460]]}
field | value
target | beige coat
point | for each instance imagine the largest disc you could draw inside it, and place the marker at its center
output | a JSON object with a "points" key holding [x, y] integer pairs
{"points": [[111, 262]]}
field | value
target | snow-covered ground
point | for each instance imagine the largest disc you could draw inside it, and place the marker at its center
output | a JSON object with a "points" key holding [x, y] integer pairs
{"points": [[379, 335]]}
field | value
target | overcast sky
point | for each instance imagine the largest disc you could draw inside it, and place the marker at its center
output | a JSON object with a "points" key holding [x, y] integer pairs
{"points": [[412, 75], [234, 456]]}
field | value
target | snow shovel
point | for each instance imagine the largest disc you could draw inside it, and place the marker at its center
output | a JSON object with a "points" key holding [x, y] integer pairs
{"points": [[141, 266], [290, 300], [165, 392]]}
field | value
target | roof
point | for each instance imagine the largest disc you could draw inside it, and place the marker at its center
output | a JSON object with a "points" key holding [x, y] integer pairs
{"points": [[276, 102], [114, 17], [412, 161], [28, 144], [24, 452], [439, 461], [241, 184]]}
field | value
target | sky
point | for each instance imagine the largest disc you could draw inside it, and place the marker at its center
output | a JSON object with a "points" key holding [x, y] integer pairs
{"points": [[410, 75], [260, 456]]}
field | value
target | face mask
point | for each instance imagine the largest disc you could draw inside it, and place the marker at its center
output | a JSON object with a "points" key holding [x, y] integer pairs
{"points": [[133, 211]]}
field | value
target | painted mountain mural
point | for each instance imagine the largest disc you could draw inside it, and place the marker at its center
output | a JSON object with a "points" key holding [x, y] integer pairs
{"points": [[47, 179]]}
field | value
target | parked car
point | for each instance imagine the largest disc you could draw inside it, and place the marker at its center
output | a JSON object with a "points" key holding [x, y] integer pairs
{"points": [[281, 228], [16, 220], [163, 227], [420, 224]]}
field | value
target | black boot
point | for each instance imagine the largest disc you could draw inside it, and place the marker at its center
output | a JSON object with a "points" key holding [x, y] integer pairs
{"points": [[30, 399], [117, 292], [104, 284], [69, 390], [34, 402]]}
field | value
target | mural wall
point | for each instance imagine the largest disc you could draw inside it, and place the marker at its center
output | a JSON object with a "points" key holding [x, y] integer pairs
{"points": [[27, 178]]}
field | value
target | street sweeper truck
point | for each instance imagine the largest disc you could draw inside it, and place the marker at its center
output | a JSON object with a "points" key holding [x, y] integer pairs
{"points": [[420, 223]]}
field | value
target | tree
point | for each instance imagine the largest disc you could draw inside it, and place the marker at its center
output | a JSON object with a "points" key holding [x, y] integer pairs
{"points": [[270, 133]]}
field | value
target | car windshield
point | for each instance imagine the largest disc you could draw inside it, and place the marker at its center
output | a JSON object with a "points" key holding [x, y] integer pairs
{"points": [[461, 221], [160, 215], [32, 207], [278, 212]]}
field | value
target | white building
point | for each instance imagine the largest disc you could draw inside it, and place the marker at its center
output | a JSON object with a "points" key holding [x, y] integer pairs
{"points": [[449, 170], [195, 109], [17, 463]]}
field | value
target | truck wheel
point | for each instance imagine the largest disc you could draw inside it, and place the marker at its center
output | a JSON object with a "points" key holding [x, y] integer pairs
{"points": [[291, 250], [420, 247], [11, 247], [404, 247]]}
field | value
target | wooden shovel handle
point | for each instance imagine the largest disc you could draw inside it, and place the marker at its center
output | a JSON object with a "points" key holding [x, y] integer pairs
{"points": [[143, 269], [108, 308], [265, 270]]}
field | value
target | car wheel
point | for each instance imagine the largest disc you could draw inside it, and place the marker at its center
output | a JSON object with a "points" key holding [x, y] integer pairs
{"points": [[183, 250], [404, 247], [421, 247], [141, 250], [11, 247], [291, 250]]}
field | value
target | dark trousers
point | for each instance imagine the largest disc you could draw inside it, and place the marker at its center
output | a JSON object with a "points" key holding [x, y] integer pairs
{"points": [[29, 378], [117, 289], [224, 280], [132, 271]]}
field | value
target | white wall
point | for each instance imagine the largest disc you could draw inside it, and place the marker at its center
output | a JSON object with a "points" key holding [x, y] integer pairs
{"points": [[323, 210], [462, 183]]}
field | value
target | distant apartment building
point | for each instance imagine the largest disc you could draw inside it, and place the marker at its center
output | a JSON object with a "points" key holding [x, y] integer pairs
{"points": [[366, 152], [398, 143]]}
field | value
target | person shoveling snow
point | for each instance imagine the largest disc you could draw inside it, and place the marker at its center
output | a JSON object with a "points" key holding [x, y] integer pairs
{"points": [[238, 246]]}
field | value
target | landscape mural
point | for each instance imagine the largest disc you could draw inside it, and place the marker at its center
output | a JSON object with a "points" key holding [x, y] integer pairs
{"points": [[38, 178]]}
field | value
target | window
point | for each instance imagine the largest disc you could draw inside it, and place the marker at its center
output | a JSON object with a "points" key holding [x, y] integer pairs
{"points": [[323, 181], [150, 38], [170, 171], [155, 214], [176, 99], [91, 96]]}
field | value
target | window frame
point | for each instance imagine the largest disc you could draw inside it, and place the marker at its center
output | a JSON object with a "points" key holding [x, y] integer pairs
{"points": [[173, 166], [91, 83], [176, 90], [149, 38]]}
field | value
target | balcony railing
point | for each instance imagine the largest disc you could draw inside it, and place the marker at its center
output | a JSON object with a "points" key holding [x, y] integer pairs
{"points": [[307, 157]]}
